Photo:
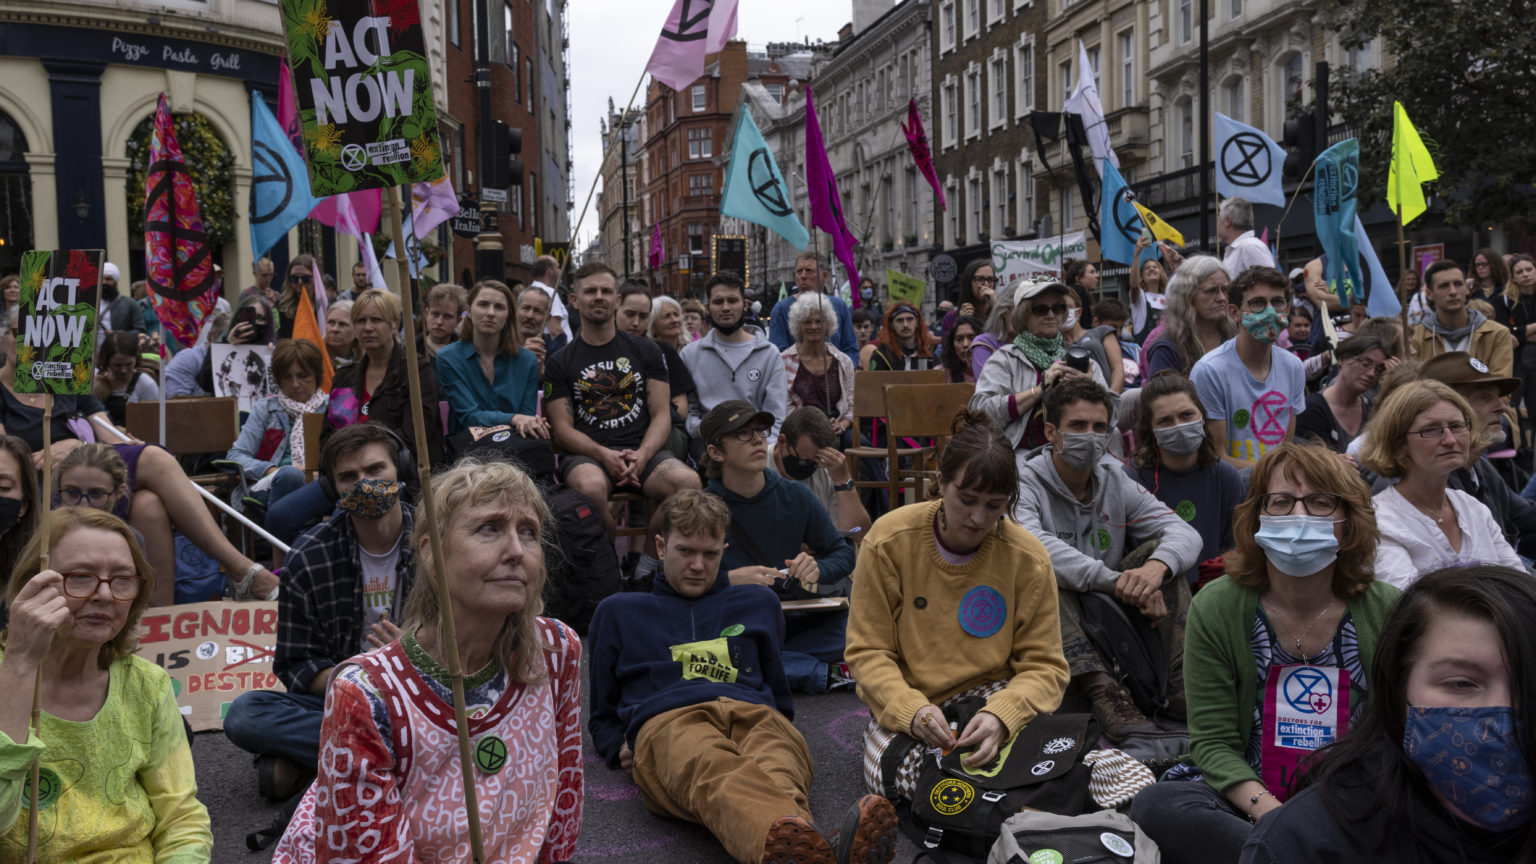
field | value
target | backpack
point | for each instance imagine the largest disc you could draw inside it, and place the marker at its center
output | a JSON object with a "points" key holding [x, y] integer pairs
{"points": [[1105, 836], [1131, 648], [587, 568]]}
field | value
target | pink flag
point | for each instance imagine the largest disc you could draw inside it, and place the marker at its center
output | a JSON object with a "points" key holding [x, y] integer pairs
{"points": [[367, 205], [432, 204], [826, 203], [693, 29], [658, 254], [917, 142], [178, 262]]}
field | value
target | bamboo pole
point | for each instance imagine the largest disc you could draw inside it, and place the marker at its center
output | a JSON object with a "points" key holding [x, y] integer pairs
{"points": [[37, 682], [592, 190], [447, 634], [1402, 271]]}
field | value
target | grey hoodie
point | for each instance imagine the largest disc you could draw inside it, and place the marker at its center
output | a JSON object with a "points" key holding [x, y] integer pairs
{"points": [[1087, 541], [757, 378]]}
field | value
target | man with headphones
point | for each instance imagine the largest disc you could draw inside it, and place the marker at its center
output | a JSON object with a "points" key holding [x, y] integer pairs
{"points": [[343, 591]]}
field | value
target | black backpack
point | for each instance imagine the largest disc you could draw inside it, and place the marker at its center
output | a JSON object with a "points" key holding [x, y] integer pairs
{"points": [[586, 570], [1131, 646]]}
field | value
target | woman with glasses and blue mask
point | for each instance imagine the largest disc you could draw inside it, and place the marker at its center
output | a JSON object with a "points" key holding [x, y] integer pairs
{"points": [[1276, 654], [116, 764], [1440, 766], [1422, 433]]}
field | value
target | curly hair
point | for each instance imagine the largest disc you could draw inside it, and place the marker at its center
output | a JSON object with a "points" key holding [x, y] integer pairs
{"points": [[801, 309], [1179, 324]]}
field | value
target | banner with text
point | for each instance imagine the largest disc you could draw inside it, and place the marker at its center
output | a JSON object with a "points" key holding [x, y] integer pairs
{"points": [[905, 288], [213, 653], [56, 340], [364, 91], [1034, 259]]}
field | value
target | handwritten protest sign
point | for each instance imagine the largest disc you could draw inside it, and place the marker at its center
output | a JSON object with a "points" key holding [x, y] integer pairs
{"points": [[213, 653], [1035, 259], [904, 288], [56, 342]]}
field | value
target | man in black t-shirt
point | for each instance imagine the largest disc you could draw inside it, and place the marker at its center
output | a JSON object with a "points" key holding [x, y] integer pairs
{"points": [[609, 403], [634, 318]]}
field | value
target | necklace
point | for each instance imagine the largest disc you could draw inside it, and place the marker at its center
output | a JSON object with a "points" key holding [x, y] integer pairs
{"points": [[1439, 508], [1305, 633]]}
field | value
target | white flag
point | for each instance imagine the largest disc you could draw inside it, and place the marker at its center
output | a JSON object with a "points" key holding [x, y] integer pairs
{"points": [[1085, 102]]}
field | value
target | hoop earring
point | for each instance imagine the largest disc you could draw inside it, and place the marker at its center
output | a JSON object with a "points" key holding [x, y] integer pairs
{"points": [[943, 521]]}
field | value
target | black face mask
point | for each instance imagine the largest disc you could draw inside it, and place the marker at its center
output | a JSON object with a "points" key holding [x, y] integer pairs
{"points": [[729, 329], [108, 290], [799, 469], [10, 514]]}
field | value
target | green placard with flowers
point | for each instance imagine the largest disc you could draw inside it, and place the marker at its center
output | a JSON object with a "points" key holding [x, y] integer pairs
{"points": [[364, 93], [56, 336]]}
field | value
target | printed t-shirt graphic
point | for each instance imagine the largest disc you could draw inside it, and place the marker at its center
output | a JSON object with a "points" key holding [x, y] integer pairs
{"points": [[1257, 412], [606, 386]]}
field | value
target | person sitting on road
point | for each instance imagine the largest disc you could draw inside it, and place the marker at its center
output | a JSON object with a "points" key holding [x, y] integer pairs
{"points": [[445, 304], [790, 546], [734, 360], [815, 371], [340, 346], [270, 448], [807, 453], [119, 380], [903, 343], [1090, 515], [635, 306], [702, 721], [342, 591], [952, 598], [486, 376], [532, 316]]}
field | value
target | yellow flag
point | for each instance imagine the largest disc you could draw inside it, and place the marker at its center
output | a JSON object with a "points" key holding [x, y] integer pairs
{"points": [[1160, 230], [1411, 166]]}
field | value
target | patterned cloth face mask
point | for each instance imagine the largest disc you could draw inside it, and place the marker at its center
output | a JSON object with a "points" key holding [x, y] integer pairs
{"points": [[370, 498], [1472, 758]]}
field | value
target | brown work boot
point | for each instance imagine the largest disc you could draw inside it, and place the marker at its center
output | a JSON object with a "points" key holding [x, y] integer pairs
{"points": [[868, 835], [1116, 712], [793, 840]]}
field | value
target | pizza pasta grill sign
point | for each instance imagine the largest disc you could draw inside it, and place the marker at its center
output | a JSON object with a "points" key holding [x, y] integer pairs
{"points": [[364, 93]]}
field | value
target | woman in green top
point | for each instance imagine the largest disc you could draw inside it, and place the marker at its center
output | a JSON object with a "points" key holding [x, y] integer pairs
{"points": [[116, 782], [1276, 654]]}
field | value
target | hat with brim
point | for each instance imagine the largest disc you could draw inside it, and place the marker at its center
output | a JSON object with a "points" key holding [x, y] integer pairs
{"points": [[729, 416], [1460, 369], [1028, 290]]}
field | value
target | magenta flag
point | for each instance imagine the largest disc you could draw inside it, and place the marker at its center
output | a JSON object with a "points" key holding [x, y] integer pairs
{"points": [[178, 261], [658, 254], [693, 29], [826, 203], [367, 205], [922, 154]]}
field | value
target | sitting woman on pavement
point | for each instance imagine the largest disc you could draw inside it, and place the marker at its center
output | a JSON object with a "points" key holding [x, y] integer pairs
{"points": [[95, 476], [996, 329], [1299, 611], [486, 376], [390, 775], [1440, 766], [1196, 320], [340, 345], [952, 598], [116, 762], [956, 355], [270, 448], [819, 375]]}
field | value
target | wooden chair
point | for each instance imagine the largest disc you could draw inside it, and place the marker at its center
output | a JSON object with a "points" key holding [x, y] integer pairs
{"points": [[923, 411], [313, 424], [194, 426], [869, 404]]}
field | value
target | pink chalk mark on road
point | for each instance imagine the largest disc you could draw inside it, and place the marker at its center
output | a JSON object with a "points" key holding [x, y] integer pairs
{"points": [[848, 729]]}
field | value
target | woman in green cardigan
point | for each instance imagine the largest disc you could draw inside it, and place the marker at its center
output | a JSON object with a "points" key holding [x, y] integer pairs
{"points": [[1276, 654]]}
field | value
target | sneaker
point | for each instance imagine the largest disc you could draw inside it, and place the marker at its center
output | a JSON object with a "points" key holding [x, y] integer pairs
{"points": [[1116, 712], [793, 840], [838, 677], [868, 835]]}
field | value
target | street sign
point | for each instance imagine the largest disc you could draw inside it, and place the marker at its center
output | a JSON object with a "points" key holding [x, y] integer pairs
{"points": [[495, 196], [467, 222], [685, 263]]}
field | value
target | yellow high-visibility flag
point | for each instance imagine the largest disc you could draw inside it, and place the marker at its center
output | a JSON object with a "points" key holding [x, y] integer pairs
{"points": [[1160, 230], [1411, 167]]}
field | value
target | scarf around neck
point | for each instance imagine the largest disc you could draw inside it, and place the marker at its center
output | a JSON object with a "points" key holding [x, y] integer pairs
{"points": [[1475, 319], [296, 412], [1041, 352]]}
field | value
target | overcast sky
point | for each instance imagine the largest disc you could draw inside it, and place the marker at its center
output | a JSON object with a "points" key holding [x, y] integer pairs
{"points": [[612, 39]]}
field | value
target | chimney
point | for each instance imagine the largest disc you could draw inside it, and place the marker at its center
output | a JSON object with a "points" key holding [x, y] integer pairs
{"points": [[846, 33], [867, 12]]}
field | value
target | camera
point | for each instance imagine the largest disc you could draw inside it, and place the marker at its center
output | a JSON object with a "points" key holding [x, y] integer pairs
{"points": [[1078, 358]]}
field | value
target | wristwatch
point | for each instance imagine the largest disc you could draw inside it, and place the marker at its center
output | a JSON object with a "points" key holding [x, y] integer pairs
{"points": [[843, 487]]}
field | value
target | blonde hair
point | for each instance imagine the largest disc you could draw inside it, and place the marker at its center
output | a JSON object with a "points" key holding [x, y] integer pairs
{"points": [[474, 483], [387, 303], [102, 457], [694, 512], [1383, 451]]}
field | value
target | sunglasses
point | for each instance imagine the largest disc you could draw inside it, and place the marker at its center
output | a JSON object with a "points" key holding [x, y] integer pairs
{"points": [[298, 279], [1057, 309]]}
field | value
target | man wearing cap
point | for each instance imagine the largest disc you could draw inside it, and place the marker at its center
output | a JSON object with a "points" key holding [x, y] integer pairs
{"points": [[773, 522], [1453, 326], [116, 310]]}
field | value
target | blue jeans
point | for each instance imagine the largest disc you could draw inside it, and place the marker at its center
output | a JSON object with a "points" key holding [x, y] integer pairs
{"points": [[285, 482], [811, 641], [295, 509], [274, 723], [1529, 492]]}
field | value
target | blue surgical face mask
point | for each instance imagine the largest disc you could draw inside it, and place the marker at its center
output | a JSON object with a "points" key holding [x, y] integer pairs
{"points": [[1472, 758], [1298, 545], [1264, 326]]}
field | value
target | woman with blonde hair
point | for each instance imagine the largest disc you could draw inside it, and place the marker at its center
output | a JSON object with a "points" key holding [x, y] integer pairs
{"points": [[390, 779], [373, 389]]}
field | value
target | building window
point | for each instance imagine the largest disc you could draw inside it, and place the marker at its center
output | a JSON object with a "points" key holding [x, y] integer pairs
{"points": [[952, 224], [973, 199], [1236, 9], [1026, 198], [1291, 86], [698, 98], [999, 10], [699, 143], [517, 76], [1093, 63], [500, 41], [776, 91], [701, 184], [528, 68], [973, 102], [1127, 69], [947, 26], [999, 202], [454, 25], [912, 208], [1357, 60], [1000, 90], [951, 109], [888, 192], [1024, 69], [1066, 80], [1186, 20], [1186, 133], [1066, 209], [1232, 95], [458, 159], [695, 238], [972, 18]]}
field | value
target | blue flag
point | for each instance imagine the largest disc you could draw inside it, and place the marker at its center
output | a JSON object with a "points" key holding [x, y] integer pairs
{"points": [[418, 261], [280, 196], [1335, 177], [1380, 296], [1119, 222], [1249, 163], [754, 189]]}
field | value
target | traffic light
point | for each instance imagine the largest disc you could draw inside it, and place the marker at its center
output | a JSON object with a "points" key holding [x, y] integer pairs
{"points": [[505, 169], [1300, 145]]}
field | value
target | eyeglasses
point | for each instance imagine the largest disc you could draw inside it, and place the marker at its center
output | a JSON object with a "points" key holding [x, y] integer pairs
{"points": [[82, 585], [1315, 503], [1429, 433], [1042, 310], [747, 434], [984, 280], [1367, 366], [76, 496], [300, 279], [1257, 304]]}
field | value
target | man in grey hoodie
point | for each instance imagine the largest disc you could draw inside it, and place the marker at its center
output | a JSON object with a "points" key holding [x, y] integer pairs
{"points": [[733, 361], [1089, 514]]}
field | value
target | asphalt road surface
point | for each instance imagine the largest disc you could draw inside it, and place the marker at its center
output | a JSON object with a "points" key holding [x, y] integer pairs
{"points": [[616, 827]]}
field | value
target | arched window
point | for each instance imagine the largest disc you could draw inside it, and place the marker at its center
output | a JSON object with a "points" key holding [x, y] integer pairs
{"points": [[15, 196], [1234, 99], [210, 164]]}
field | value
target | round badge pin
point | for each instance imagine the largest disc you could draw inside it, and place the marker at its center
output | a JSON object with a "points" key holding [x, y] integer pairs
{"points": [[1047, 856], [733, 630], [982, 611], [1117, 844], [1479, 365], [490, 754]]}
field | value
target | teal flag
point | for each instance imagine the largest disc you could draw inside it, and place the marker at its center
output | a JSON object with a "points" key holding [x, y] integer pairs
{"points": [[1336, 176], [754, 189]]}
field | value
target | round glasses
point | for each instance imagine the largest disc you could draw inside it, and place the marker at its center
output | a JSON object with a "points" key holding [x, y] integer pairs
{"points": [[1315, 503], [749, 433], [82, 585]]}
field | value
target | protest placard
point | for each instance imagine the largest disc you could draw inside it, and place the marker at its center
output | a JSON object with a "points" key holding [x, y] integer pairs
{"points": [[1035, 259], [213, 653], [904, 288], [364, 91], [56, 339], [242, 371]]}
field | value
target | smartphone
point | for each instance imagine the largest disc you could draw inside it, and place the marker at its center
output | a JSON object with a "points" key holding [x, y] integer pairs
{"points": [[1146, 236]]}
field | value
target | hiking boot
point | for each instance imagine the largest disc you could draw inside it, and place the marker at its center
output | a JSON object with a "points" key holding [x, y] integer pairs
{"points": [[278, 779], [793, 840], [868, 835], [1116, 712], [838, 677]]}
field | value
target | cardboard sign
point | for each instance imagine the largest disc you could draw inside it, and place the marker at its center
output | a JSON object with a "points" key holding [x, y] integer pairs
{"points": [[1035, 259], [905, 288], [213, 652], [56, 337], [364, 91], [242, 371]]}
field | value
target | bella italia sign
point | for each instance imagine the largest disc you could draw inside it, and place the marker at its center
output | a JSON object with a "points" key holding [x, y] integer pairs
{"points": [[1032, 259]]}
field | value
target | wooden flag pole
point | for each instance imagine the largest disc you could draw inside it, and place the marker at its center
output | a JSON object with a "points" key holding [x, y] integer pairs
{"points": [[592, 190], [1402, 271], [44, 519], [447, 634]]}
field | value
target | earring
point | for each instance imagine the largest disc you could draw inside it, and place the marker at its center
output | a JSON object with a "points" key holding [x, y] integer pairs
{"points": [[943, 522]]}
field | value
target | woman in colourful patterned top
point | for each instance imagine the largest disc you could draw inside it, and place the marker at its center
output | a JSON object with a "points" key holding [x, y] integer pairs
{"points": [[390, 779], [116, 782]]}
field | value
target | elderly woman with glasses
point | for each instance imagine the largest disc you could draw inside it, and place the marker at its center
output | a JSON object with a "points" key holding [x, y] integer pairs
{"points": [[116, 765], [1419, 436], [1011, 387]]}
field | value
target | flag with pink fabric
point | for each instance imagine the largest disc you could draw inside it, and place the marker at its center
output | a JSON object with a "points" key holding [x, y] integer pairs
{"points": [[922, 154], [367, 205], [693, 29], [432, 204], [658, 254], [826, 202], [178, 262]]}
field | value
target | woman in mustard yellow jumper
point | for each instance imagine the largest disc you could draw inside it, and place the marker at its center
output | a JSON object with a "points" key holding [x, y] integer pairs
{"points": [[951, 597]]}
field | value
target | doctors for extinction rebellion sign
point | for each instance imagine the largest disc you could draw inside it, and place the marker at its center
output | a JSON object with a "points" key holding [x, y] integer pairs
{"points": [[361, 81], [56, 343]]}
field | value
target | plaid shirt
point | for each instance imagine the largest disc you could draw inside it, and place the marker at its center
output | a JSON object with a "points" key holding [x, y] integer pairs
{"points": [[320, 610]]}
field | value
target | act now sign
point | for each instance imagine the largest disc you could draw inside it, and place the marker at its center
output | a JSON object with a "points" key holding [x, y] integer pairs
{"points": [[56, 340], [361, 82]]}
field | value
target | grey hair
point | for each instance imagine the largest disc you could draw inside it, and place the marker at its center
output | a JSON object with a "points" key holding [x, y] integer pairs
{"points": [[1179, 322], [1238, 212], [343, 305], [1002, 309], [657, 303], [804, 305]]}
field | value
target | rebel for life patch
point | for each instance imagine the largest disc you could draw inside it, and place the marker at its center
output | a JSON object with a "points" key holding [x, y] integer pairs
{"points": [[710, 659], [983, 611]]}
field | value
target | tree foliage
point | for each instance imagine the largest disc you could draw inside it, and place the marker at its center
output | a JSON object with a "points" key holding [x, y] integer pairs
{"points": [[1466, 73], [209, 164]]}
